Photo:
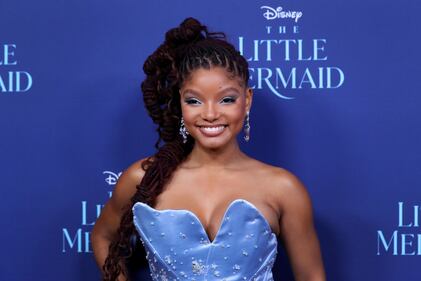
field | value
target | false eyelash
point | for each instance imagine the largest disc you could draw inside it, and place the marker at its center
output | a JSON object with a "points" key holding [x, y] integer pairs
{"points": [[231, 99], [191, 101], [226, 100]]}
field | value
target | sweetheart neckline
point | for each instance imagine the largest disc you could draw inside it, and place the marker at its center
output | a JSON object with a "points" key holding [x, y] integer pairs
{"points": [[266, 222]]}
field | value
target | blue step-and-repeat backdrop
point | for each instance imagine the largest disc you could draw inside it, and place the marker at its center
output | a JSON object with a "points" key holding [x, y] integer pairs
{"points": [[337, 102]]}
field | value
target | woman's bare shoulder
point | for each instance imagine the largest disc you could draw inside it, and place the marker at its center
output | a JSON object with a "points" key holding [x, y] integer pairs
{"points": [[128, 181], [284, 185], [270, 171], [137, 169]]}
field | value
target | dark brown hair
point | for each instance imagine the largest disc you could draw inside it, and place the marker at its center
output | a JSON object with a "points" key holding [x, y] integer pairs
{"points": [[185, 49]]}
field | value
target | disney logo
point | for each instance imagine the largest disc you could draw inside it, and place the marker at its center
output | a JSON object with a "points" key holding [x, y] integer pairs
{"points": [[272, 13], [112, 178]]}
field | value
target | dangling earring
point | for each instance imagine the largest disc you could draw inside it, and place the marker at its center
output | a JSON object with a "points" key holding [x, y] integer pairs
{"points": [[247, 127], [183, 130]]}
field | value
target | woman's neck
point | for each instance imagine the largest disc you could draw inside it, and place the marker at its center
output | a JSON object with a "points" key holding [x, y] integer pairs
{"points": [[227, 157]]}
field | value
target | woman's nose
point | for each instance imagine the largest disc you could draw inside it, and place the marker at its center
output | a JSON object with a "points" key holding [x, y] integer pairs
{"points": [[210, 112]]}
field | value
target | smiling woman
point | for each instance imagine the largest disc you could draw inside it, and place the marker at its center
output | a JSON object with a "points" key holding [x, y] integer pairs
{"points": [[202, 208]]}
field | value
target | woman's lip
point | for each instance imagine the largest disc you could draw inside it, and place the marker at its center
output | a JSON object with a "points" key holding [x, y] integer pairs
{"points": [[212, 132]]}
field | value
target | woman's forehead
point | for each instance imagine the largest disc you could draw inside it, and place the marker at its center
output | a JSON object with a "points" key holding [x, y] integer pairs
{"points": [[214, 76]]}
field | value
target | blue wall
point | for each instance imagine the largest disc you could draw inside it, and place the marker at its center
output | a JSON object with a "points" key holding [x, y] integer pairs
{"points": [[72, 118]]}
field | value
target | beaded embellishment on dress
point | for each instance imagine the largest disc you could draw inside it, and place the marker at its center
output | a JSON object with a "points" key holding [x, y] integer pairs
{"points": [[178, 247]]}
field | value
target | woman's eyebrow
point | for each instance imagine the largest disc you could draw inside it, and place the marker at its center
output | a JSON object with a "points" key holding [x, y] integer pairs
{"points": [[190, 91], [228, 89], [187, 91]]}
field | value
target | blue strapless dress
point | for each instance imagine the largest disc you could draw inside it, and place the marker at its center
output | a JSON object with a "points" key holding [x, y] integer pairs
{"points": [[178, 247]]}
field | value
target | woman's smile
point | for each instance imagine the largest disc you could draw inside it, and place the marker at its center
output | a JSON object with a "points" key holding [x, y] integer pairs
{"points": [[212, 131]]}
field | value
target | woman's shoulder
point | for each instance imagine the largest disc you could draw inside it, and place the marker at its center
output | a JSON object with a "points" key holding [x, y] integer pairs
{"points": [[272, 172], [128, 181], [136, 170], [281, 183]]}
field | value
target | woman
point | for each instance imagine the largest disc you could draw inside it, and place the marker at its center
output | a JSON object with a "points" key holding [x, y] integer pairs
{"points": [[203, 209]]}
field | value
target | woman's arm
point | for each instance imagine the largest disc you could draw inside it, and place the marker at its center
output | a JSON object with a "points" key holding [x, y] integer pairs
{"points": [[106, 226], [298, 233]]}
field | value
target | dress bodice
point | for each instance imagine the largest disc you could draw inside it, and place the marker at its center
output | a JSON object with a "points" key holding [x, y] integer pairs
{"points": [[178, 247]]}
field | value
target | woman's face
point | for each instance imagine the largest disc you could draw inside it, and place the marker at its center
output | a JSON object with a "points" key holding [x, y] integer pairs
{"points": [[214, 107]]}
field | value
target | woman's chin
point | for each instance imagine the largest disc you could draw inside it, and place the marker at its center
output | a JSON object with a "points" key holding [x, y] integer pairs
{"points": [[212, 142]]}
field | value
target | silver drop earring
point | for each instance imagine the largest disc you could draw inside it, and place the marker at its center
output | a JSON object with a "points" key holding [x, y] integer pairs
{"points": [[247, 127], [183, 130]]}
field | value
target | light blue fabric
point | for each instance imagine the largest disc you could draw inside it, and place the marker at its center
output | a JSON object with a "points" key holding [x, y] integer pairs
{"points": [[178, 248]]}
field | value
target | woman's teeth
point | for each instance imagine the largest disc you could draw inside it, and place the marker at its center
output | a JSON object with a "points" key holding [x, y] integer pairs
{"points": [[212, 131]]}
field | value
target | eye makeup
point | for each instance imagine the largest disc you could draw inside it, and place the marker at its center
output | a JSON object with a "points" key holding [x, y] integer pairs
{"points": [[191, 101], [228, 99]]}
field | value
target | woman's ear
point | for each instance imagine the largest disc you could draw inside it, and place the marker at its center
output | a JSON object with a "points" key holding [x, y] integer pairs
{"points": [[249, 98]]}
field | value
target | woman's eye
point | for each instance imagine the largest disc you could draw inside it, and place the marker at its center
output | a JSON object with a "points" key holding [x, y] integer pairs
{"points": [[228, 100], [191, 101]]}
